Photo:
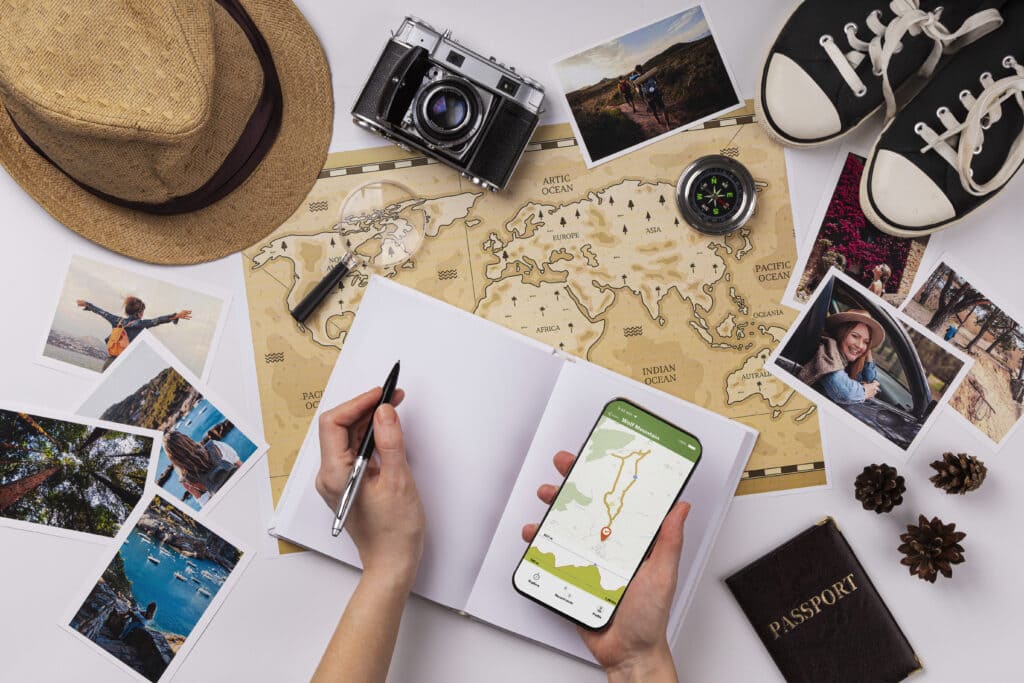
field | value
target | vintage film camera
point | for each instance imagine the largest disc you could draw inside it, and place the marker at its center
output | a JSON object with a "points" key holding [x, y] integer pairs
{"points": [[429, 93]]}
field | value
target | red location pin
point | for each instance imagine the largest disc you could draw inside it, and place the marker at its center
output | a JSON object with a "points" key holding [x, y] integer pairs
{"points": [[605, 533]]}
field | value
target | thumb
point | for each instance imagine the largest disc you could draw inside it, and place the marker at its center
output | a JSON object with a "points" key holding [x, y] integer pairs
{"points": [[388, 438], [669, 544]]}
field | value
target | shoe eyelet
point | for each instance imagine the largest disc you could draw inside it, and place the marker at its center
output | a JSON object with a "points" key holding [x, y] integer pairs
{"points": [[986, 122], [941, 111], [964, 94], [850, 27], [860, 93], [919, 128], [1009, 62], [977, 150], [986, 76], [876, 71], [825, 40]]}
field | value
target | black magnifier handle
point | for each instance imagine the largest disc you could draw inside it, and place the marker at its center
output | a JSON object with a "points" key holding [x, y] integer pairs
{"points": [[311, 301]]}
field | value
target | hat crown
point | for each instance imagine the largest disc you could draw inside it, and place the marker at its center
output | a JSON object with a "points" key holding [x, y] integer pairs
{"points": [[130, 67], [141, 100]]}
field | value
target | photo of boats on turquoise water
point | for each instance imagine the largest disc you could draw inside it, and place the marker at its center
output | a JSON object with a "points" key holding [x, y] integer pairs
{"points": [[161, 582], [203, 449]]}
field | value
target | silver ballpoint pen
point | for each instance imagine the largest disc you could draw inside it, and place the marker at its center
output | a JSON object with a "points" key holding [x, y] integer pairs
{"points": [[362, 457]]}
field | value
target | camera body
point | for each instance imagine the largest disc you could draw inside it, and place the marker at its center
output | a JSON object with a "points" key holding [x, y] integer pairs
{"points": [[429, 93]]}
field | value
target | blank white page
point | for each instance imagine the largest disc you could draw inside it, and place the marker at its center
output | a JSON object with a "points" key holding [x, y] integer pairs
{"points": [[474, 396], [581, 393]]}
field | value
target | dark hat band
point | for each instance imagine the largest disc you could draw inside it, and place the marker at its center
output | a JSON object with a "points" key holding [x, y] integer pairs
{"points": [[256, 139]]}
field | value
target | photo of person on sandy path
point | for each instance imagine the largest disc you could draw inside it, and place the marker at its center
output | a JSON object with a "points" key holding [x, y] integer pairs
{"points": [[956, 305]]}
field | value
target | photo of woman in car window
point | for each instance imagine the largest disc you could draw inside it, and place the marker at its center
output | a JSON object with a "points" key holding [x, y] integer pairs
{"points": [[842, 368], [867, 358]]}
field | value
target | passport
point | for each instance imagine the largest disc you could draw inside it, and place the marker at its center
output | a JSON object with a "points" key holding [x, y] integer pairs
{"points": [[815, 609]]}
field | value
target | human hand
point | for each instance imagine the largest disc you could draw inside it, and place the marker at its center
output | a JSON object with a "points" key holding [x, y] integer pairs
{"points": [[386, 520], [195, 488], [81, 302], [634, 647], [870, 389], [183, 315]]}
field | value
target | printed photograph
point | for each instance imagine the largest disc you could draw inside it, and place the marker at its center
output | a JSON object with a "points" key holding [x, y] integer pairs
{"points": [[102, 308], [646, 84], [956, 308], [202, 449], [159, 585], [70, 474], [845, 240], [859, 354]]}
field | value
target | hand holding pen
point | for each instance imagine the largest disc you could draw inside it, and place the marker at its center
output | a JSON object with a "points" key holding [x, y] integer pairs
{"points": [[386, 518]]}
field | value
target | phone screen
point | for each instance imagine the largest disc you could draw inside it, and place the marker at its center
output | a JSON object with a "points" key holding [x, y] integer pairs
{"points": [[605, 517]]}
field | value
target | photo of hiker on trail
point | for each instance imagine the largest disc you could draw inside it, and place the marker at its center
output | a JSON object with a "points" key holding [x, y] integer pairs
{"points": [[644, 85]]}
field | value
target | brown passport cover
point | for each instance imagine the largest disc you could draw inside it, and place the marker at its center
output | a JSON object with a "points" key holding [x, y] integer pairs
{"points": [[818, 613]]}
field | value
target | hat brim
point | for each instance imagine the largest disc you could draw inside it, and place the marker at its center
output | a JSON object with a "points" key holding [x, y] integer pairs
{"points": [[877, 331], [259, 205]]}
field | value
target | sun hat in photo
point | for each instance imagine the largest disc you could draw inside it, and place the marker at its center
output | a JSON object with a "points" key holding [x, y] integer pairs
{"points": [[858, 315], [170, 131]]}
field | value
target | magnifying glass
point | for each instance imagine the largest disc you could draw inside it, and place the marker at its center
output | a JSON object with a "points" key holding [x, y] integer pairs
{"points": [[379, 232]]}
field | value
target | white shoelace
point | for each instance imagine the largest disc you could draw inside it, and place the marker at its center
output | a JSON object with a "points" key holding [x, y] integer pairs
{"points": [[910, 19], [982, 112]]}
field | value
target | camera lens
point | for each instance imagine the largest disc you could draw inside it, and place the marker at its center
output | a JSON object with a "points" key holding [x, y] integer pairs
{"points": [[447, 109], [447, 112]]}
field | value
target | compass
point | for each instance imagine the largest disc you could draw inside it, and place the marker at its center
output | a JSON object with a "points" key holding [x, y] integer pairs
{"points": [[716, 195]]}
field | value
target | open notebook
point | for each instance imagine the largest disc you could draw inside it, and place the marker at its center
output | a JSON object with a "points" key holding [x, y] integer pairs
{"points": [[485, 411]]}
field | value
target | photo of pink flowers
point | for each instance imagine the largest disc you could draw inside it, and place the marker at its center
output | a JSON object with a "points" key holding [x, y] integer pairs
{"points": [[846, 240]]}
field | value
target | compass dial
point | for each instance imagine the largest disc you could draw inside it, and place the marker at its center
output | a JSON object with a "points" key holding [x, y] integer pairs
{"points": [[716, 194]]}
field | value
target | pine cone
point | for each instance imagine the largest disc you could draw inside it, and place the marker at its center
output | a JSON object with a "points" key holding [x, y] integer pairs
{"points": [[958, 473], [931, 548], [879, 488]]}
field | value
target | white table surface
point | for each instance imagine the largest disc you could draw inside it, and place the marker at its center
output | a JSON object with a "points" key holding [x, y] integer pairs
{"points": [[273, 627]]}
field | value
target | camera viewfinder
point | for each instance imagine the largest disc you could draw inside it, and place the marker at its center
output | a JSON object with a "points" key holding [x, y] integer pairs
{"points": [[508, 86]]}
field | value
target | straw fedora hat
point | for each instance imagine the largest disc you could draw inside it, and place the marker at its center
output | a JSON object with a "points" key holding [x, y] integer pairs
{"points": [[171, 131], [857, 315]]}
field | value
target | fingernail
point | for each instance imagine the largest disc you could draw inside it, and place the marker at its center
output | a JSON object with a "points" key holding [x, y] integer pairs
{"points": [[387, 415]]}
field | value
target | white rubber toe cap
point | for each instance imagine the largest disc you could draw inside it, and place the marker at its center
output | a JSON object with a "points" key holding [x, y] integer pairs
{"points": [[904, 196], [798, 108]]}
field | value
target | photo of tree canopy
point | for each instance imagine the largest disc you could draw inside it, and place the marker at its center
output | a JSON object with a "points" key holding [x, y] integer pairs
{"points": [[69, 475]]}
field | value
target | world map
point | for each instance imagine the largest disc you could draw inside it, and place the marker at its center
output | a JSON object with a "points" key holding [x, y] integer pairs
{"points": [[596, 263]]}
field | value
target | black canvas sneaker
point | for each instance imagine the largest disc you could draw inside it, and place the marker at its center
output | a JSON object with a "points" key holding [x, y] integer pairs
{"points": [[836, 63], [957, 143]]}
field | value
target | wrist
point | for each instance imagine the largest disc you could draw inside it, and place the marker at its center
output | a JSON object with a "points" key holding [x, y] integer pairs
{"points": [[654, 666], [390, 576]]}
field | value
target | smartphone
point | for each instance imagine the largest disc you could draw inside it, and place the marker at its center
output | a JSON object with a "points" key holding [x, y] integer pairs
{"points": [[607, 513]]}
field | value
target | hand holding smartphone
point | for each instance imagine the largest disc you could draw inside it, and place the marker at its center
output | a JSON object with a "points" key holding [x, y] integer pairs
{"points": [[606, 515]]}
